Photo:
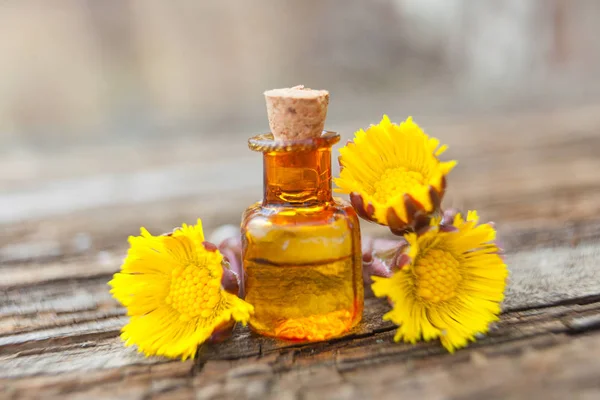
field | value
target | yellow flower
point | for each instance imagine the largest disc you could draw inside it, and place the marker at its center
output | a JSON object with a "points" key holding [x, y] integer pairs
{"points": [[450, 286], [171, 287], [393, 175]]}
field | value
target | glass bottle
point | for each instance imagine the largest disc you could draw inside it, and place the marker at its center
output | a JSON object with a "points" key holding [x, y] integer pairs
{"points": [[301, 246]]}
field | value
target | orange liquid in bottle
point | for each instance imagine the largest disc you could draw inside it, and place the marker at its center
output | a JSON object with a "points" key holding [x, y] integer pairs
{"points": [[302, 253]]}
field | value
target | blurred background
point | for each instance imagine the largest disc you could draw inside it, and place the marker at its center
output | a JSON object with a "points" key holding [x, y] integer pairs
{"points": [[116, 114]]}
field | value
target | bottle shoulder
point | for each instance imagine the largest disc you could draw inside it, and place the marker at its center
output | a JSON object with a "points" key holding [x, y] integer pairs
{"points": [[336, 209]]}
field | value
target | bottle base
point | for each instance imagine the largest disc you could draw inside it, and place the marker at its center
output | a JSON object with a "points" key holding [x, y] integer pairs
{"points": [[310, 329]]}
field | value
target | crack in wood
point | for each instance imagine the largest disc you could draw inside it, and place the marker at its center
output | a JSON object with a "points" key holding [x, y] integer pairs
{"points": [[584, 300]]}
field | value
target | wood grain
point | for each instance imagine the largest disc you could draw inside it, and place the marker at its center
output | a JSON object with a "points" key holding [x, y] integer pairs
{"points": [[63, 234]]}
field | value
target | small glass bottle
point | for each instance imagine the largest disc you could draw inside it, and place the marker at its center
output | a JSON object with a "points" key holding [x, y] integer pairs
{"points": [[301, 246]]}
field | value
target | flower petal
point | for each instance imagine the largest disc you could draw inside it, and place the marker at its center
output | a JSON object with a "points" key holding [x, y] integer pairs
{"points": [[452, 286], [171, 287]]}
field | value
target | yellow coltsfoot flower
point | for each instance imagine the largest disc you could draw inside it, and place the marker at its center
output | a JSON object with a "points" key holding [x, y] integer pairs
{"points": [[171, 287], [449, 283], [393, 175]]}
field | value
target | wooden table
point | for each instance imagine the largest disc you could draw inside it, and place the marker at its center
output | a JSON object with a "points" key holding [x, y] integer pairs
{"points": [[64, 218]]}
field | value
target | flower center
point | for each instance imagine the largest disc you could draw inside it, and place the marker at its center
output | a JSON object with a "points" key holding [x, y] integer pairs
{"points": [[194, 292], [437, 276], [394, 181]]}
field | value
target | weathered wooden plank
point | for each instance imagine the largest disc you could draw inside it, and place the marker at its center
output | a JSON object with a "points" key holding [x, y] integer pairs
{"points": [[486, 177], [521, 338], [531, 285], [64, 197], [64, 296], [66, 348], [535, 175], [87, 356], [549, 276], [538, 276], [29, 323], [57, 311], [530, 373], [127, 381], [31, 274], [511, 177], [24, 169], [535, 281], [108, 228]]}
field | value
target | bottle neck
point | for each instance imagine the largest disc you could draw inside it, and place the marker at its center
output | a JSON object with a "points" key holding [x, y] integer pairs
{"points": [[297, 178]]}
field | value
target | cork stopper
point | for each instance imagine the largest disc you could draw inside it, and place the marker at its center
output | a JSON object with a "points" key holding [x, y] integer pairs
{"points": [[296, 113]]}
